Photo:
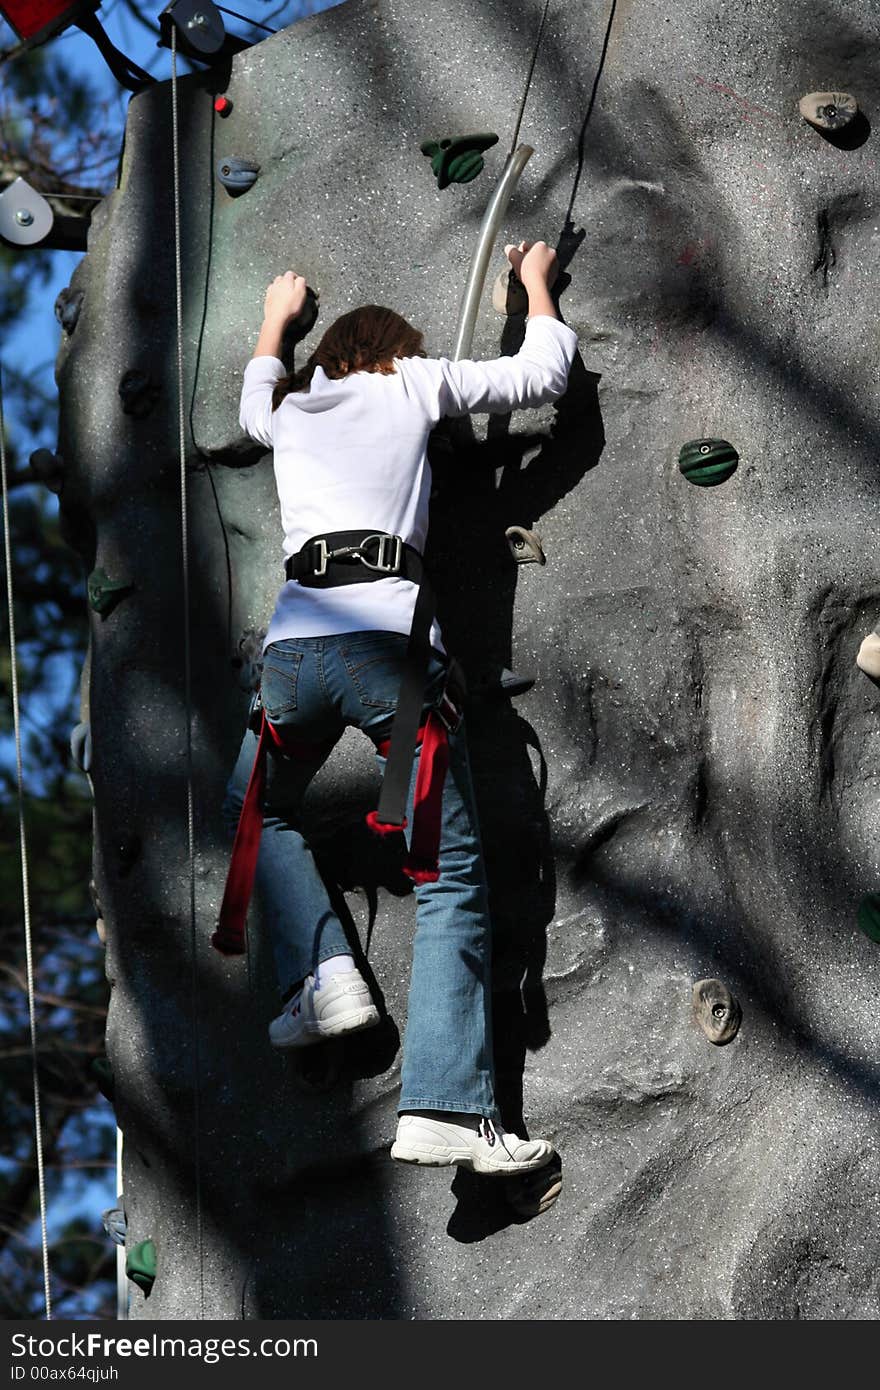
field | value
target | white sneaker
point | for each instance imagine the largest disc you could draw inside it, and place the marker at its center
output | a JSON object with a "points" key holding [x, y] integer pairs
{"points": [[341, 1004], [480, 1146]]}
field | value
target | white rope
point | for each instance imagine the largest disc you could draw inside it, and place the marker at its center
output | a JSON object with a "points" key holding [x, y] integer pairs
{"points": [[29, 956], [184, 528]]}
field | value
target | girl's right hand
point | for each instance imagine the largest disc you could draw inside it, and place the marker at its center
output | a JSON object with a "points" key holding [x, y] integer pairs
{"points": [[533, 262], [285, 298]]}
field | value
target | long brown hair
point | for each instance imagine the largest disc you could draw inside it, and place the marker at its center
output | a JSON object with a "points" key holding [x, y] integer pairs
{"points": [[364, 340]]}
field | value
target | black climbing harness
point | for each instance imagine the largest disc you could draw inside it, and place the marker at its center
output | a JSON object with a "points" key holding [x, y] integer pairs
{"points": [[361, 557]]}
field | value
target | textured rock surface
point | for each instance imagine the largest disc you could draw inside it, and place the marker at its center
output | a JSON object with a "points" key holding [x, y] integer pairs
{"points": [[690, 790]]}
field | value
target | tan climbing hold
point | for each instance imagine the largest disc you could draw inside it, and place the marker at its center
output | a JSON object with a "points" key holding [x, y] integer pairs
{"points": [[716, 1011], [868, 659], [509, 295], [101, 930], [828, 110]]}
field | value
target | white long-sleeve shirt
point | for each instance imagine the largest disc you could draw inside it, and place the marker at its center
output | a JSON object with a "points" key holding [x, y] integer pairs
{"points": [[352, 454]]}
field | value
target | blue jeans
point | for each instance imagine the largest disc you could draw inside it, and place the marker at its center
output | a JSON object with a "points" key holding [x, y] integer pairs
{"points": [[315, 687]]}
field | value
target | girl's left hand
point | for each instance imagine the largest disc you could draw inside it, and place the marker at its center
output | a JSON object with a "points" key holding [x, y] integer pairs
{"points": [[285, 298]]}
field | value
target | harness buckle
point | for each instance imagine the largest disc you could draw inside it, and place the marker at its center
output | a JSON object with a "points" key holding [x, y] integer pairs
{"points": [[449, 713], [321, 546], [255, 713], [383, 564]]}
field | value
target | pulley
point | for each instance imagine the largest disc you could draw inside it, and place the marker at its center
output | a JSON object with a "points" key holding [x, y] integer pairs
{"points": [[201, 33], [25, 216]]}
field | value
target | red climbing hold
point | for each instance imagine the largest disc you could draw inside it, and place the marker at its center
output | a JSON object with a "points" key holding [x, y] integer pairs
{"points": [[222, 105]]}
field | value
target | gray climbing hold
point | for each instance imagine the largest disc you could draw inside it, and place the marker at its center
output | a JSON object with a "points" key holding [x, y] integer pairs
{"points": [[868, 658], [716, 1011], [49, 468], [499, 685], [105, 593], [113, 1221], [138, 393], [67, 307], [248, 660], [509, 295], [828, 111], [81, 746], [103, 1077], [237, 175], [525, 546]]}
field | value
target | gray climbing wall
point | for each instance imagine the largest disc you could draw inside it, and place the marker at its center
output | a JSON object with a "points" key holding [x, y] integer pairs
{"points": [[689, 790]]}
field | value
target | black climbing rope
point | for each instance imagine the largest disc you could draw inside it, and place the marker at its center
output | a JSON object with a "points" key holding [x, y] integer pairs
{"points": [[525, 95]]}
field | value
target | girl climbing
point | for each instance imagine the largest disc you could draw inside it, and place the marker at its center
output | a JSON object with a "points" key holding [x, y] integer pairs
{"points": [[349, 433]]}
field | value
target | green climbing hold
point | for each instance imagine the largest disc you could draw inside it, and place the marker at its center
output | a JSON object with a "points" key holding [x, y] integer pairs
{"points": [[708, 462], [458, 160], [869, 915], [103, 1074], [104, 593], [140, 1265]]}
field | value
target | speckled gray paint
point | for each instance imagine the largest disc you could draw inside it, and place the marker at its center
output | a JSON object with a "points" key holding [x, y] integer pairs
{"points": [[691, 787]]}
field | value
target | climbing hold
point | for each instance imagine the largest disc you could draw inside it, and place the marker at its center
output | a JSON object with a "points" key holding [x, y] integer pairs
{"points": [[828, 111], [317, 1069], [869, 915], [104, 1080], [222, 105], [499, 685], [509, 294], [49, 468], [716, 1011], [457, 160], [128, 848], [105, 593], [708, 462], [101, 930], [237, 175], [525, 546], [248, 660], [140, 1265], [138, 393], [531, 1194], [81, 746], [67, 307], [113, 1221], [25, 216], [868, 659]]}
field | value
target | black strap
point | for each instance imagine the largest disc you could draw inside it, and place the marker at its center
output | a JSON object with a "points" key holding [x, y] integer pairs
{"points": [[391, 809], [353, 557]]}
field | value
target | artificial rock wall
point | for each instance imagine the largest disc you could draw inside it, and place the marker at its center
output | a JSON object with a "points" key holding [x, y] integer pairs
{"points": [[690, 788]]}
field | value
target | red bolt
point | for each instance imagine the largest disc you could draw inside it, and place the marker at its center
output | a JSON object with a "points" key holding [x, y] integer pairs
{"points": [[222, 105]]}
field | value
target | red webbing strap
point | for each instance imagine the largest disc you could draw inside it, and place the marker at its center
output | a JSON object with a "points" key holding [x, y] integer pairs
{"points": [[230, 935], [229, 938], [422, 861]]}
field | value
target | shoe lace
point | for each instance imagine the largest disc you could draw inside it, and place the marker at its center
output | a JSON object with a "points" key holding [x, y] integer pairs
{"points": [[488, 1132]]}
